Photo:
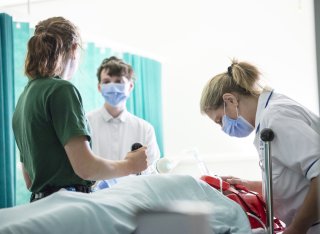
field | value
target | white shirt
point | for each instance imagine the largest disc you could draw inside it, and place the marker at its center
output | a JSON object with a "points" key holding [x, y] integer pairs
{"points": [[295, 151], [112, 138]]}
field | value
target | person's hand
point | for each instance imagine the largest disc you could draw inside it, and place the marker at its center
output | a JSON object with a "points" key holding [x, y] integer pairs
{"points": [[292, 230], [137, 160], [234, 180], [255, 186]]}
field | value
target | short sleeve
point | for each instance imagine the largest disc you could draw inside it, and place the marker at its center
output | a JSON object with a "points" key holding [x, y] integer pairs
{"points": [[296, 144], [67, 113]]}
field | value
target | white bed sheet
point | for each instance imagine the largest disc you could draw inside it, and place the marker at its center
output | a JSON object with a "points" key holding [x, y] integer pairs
{"points": [[113, 210]]}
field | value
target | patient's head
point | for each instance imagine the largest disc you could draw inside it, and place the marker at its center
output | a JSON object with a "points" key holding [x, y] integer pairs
{"points": [[54, 44]]}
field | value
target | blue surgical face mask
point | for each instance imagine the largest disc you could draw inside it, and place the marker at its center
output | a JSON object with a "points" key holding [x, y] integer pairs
{"points": [[115, 94], [238, 127]]}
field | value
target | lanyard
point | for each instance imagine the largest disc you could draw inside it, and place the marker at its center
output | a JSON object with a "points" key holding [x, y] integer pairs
{"points": [[258, 128]]}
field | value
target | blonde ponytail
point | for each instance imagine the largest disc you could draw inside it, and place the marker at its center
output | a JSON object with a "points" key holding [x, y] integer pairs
{"points": [[240, 77], [246, 76]]}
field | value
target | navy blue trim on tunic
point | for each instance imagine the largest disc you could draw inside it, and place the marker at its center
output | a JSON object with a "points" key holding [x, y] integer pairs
{"points": [[265, 107], [310, 167]]}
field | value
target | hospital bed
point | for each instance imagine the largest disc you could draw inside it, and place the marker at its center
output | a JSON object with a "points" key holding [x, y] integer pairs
{"points": [[114, 210]]}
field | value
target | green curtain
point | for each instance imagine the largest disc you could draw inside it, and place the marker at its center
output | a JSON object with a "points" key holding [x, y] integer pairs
{"points": [[145, 100], [21, 34], [85, 78], [7, 157]]}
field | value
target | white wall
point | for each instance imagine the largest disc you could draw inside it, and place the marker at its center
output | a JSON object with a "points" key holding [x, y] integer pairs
{"points": [[195, 39]]}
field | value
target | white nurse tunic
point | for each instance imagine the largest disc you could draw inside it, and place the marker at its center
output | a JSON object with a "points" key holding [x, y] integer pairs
{"points": [[295, 151]]}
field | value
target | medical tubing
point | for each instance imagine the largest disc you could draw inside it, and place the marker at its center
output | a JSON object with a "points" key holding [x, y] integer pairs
{"points": [[201, 164], [220, 182], [203, 168], [267, 136], [248, 213]]}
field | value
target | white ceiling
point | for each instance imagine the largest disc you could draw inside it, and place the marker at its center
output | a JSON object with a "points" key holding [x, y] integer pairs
{"points": [[13, 3], [152, 25]]}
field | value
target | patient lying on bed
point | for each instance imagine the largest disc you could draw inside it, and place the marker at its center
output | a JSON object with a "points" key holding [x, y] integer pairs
{"points": [[113, 210]]}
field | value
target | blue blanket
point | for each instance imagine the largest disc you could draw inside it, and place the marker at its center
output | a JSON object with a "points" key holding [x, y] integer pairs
{"points": [[113, 210]]}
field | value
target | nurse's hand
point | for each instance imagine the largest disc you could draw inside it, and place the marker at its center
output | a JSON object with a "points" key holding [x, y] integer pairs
{"points": [[235, 180], [137, 160], [255, 186], [292, 230]]}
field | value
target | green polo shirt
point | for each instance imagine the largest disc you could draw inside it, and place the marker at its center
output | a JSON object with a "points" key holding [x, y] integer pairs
{"points": [[48, 114]]}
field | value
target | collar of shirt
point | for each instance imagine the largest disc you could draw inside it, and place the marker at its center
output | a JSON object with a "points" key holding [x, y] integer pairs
{"points": [[262, 103], [107, 117]]}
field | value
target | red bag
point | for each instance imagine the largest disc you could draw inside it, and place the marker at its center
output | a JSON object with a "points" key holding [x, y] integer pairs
{"points": [[251, 202]]}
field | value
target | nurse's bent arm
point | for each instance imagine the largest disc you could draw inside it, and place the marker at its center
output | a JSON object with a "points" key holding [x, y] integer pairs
{"points": [[308, 213]]}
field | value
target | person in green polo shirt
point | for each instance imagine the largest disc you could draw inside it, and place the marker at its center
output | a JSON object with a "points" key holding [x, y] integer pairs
{"points": [[49, 122]]}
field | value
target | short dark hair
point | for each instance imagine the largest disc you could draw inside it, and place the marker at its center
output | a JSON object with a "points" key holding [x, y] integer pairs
{"points": [[115, 67]]}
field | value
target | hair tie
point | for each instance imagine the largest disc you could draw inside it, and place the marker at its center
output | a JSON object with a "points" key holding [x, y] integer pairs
{"points": [[230, 71]]}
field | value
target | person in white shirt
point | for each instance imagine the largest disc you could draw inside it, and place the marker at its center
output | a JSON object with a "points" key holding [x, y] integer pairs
{"points": [[114, 130], [236, 101]]}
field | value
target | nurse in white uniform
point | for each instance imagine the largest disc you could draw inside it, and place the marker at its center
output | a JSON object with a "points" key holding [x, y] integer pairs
{"points": [[235, 100]]}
